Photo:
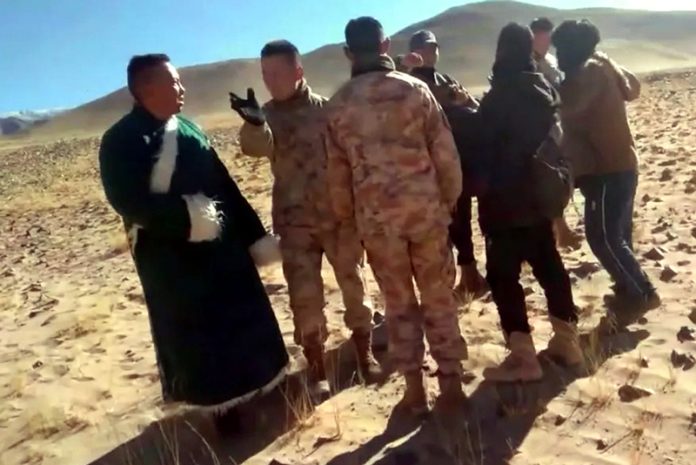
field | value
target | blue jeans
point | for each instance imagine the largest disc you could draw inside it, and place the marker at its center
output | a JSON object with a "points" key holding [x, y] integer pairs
{"points": [[608, 227]]}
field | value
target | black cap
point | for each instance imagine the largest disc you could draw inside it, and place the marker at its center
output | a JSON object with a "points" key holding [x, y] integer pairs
{"points": [[364, 35], [420, 39]]}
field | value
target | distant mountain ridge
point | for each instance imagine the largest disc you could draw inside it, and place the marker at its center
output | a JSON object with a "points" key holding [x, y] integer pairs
{"points": [[641, 40], [18, 121]]}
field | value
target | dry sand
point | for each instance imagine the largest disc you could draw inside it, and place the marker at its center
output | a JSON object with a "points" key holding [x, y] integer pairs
{"points": [[78, 377]]}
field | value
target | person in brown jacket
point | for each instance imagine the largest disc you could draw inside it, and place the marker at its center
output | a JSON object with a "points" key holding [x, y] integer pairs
{"points": [[599, 143], [287, 131], [394, 176], [453, 98]]}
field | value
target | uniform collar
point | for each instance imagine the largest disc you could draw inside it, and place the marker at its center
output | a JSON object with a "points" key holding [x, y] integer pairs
{"points": [[363, 65]]}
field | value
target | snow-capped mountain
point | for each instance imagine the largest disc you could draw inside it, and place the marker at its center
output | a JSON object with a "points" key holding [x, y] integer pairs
{"points": [[17, 121]]}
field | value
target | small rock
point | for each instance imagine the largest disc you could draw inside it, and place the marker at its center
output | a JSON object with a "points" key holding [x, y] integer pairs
{"points": [[655, 254], [683, 263], [686, 334], [584, 269], [601, 444], [668, 274], [646, 198], [37, 364], [683, 361], [642, 321], [628, 393], [692, 316], [61, 370], [644, 362], [667, 175], [468, 377], [693, 233], [560, 419], [528, 291]]}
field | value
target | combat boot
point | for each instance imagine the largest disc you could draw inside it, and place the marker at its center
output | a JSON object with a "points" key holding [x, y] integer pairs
{"points": [[451, 392], [368, 368], [520, 365], [415, 399], [564, 346], [316, 373]]}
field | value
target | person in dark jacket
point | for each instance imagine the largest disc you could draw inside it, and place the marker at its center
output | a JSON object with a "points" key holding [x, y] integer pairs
{"points": [[458, 105], [600, 146], [517, 115], [196, 243]]}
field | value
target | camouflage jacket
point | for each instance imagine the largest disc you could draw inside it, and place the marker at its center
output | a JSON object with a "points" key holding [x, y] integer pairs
{"points": [[445, 88], [392, 164], [291, 140]]}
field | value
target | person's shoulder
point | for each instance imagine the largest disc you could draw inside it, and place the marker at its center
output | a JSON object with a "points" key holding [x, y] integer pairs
{"points": [[187, 122], [595, 66], [122, 130]]}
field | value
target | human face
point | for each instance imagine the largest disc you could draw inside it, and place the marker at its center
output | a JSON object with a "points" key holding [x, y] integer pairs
{"points": [[281, 75], [542, 43], [161, 92], [430, 54]]}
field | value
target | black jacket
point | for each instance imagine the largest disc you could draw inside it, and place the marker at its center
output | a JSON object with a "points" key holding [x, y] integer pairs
{"points": [[515, 117]]}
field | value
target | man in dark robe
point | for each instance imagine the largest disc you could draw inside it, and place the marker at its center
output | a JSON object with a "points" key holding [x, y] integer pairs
{"points": [[196, 242]]}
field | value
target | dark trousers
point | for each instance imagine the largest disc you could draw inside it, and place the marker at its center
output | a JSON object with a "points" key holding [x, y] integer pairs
{"points": [[506, 250], [609, 228], [460, 231]]}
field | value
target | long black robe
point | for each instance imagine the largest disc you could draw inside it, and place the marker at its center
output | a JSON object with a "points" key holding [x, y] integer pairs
{"points": [[192, 235]]}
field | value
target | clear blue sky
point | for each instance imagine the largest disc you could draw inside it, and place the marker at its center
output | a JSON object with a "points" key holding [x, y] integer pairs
{"points": [[61, 53]]}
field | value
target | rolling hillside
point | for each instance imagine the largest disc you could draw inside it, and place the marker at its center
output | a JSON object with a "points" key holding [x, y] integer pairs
{"points": [[643, 41]]}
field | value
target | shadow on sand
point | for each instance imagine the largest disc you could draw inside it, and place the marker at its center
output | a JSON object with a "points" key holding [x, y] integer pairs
{"points": [[191, 438], [491, 427], [487, 431]]}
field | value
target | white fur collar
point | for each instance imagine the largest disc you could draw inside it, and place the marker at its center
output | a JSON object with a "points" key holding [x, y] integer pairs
{"points": [[163, 170]]}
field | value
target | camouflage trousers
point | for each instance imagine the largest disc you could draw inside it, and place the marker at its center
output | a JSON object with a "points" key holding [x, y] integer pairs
{"points": [[302, 251], [396, 262]]}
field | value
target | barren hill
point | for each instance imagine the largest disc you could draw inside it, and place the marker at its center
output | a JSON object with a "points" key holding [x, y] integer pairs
{"points": [[644, 41]]}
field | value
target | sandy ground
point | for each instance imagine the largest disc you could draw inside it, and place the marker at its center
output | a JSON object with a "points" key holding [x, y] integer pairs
{"points": [[78, 379]]}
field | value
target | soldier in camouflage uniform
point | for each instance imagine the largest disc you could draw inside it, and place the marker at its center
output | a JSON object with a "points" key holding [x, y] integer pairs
{"points": [[288, 132], [452, 96], [395, 177]]}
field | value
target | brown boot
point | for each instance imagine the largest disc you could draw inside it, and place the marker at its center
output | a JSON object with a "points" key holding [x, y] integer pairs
{"points": [[316, 374], [564, 346], [415, 399], [368, 368], [451, 392], [521, 365]]}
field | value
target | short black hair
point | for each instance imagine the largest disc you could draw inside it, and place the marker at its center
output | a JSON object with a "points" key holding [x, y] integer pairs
{"points": [[542, 24], [280, 47], [140, 63], [575, 42], [364, 35]]}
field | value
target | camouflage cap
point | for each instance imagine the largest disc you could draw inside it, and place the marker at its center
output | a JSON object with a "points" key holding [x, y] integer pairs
{"points": [[420, 39]]}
